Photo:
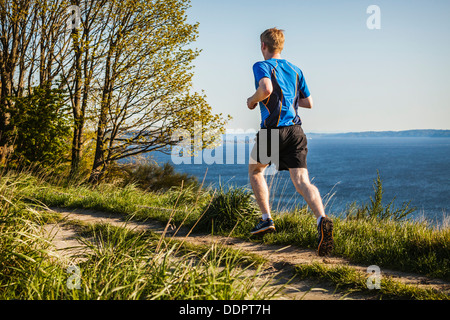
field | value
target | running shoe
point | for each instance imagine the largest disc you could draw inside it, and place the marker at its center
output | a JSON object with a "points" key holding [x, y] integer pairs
{"points": [[264, 226], [325, 230]]}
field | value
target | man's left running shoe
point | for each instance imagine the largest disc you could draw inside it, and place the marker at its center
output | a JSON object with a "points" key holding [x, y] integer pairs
{"points": [[264, 226]]}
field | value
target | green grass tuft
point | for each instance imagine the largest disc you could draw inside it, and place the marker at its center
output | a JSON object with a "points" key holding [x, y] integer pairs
{"points": [[349, 280]]}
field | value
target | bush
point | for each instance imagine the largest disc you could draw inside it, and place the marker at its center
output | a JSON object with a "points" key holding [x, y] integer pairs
{"points": [[376, 209], [151, 176], [229, 210], [42, 127]]}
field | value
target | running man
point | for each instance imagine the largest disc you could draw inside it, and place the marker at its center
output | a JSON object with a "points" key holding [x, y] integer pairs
{"points": [[280, 90]]}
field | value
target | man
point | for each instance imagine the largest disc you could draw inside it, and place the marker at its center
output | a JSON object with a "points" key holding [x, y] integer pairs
{"points": [[280, 90]]}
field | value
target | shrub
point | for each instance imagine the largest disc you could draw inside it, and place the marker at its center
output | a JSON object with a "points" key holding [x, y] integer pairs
{"points": [[232, 209], [150, 176], [376, 209], [43, 128]]}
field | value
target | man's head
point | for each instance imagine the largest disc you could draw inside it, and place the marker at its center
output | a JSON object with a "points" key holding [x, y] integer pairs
{"points": [[272, 40]]}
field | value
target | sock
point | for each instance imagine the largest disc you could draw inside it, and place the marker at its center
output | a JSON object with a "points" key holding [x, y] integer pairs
{"points": [[266, 216], [318, 220]]}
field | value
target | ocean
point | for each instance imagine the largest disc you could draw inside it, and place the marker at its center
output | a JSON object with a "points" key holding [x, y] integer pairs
{"points": [[415, 169]]}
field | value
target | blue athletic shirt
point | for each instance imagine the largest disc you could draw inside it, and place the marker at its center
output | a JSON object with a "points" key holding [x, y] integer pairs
{"points": [[289, 85]]}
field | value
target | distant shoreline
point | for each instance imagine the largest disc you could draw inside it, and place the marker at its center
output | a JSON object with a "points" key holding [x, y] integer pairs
{"points": [[386, 134], [419, 133]]}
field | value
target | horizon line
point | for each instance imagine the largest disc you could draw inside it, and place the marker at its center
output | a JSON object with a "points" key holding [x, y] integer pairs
{"points": [[341, 132]]}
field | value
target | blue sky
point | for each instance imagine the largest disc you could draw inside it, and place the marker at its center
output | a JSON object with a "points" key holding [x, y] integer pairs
{"points": [[394, 78]]}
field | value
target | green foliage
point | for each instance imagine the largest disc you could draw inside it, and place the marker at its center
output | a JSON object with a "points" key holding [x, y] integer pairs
{"points": [[348, 279], [128, 265], [232, 209], [404, 245], [147, 96], [119, 263], [128, 70], [42, 127], [151, 176], [21, 250], [297, 227], [376, 209]]}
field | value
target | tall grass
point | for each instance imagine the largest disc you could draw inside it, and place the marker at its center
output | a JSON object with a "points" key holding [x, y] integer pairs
{"points": [[129, 200], [350, 280], [376, 208], [407, 245], [229, 210], [22, 249], [120, 264], [366, 238], [124, 265]]}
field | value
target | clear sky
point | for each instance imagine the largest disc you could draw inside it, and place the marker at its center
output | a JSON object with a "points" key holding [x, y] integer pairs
{"points": [[394, 78]]}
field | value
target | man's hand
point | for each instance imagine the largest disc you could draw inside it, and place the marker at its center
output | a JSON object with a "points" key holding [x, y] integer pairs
{"points": [[251, 104]]}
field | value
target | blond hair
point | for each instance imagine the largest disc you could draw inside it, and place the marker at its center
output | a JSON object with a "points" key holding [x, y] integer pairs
{"points": [[274, 39]]}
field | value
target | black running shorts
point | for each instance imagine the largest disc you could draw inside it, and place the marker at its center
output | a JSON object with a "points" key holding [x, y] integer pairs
{"points": [[290, 152]]}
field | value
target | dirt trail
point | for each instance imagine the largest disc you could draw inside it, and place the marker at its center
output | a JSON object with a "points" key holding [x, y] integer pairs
{"points": [[281, 259]]}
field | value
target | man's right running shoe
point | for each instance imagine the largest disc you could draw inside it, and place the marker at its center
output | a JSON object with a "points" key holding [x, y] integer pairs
{"points": [[325, 230], [264, 226]]}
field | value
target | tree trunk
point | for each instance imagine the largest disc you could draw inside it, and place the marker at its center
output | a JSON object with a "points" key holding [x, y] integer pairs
{"points": [[99, 166], [5, 130], [76, 147], [78, 114], [6, 106], [8, 63]]}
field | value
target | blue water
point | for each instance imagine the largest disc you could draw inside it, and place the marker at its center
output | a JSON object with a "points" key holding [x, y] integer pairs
{"points": [[343, 169]]}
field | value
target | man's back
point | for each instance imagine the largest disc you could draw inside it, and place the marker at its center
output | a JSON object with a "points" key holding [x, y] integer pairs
{"points": [[280, 109]]}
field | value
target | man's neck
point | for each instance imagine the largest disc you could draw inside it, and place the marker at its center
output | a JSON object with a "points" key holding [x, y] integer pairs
{"points": [[275, 55]]}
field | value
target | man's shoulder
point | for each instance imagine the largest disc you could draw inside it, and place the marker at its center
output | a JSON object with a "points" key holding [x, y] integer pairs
{"points": [[293, 66], [273, 63], [266, 63]]}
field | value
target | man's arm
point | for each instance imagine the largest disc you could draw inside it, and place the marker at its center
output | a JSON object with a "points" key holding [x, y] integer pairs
{"points": [[264, 90], [305, 103]]}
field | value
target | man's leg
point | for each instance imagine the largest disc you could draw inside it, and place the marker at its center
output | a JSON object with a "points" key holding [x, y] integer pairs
{"points": [[310, 193], [300, 179], [259, 186], [261, 192]]}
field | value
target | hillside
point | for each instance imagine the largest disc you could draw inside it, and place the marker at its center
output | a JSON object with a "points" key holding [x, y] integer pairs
{"points": [[193, 244]]}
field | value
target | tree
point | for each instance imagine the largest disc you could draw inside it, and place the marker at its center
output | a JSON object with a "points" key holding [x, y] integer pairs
{"points": [[33, 44], [127, 67], [87, 52], [14, 38], [146, 83]]}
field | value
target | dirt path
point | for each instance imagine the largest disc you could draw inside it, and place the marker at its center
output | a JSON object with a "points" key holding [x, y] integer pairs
{"points": [[281, 259]]}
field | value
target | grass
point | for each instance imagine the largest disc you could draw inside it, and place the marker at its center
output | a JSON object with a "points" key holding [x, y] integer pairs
{"points": [[406, 246], [120, 264], [403, 245], [349, 280], [128, 200], [229, 210], [365, 238], [127, 265]]}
